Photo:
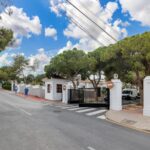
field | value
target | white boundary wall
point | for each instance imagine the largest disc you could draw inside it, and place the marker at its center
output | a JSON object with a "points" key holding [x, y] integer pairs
{"points": [[36, 90]]}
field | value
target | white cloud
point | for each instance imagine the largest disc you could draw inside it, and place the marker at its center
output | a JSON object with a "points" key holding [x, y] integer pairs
{"points": [[15, 43], [139, 10], [69, 46], [20, 23], [83, 44], [38, 61], [56, 6], [125, 24], [51, 32], [4, 59], [103, 16]]}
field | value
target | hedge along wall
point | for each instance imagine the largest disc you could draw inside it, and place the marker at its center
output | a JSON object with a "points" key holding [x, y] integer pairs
{"points": [[6, 86]]}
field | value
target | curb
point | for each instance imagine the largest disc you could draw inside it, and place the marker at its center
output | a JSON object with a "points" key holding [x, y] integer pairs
{"points": [[34, 100], [30, 98], [127, 126]]}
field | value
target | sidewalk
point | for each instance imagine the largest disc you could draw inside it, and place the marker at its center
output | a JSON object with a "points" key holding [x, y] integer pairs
{"points": [[33, 98], [37, 99], [130, 116]]}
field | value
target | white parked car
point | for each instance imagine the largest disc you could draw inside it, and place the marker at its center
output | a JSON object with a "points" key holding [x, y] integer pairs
{"points": [[129, 94]]}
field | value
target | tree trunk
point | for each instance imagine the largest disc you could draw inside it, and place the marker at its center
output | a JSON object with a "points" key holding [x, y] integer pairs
{"points": [[95, 86], [96, 94], [140, 85], [141, 96]]}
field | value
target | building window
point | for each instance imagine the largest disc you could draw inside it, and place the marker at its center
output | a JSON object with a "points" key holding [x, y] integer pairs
{"points": [[48, 88], [59, 88]]}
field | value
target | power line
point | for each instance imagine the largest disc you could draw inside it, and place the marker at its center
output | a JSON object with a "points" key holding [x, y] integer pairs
{"points": [[83, 22], [74, 21], [102, 21], [91, 20], [86, 31], [104, 38]]}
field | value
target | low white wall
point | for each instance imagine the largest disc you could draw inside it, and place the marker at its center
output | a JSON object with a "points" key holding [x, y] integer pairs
{"points": [[21, 88], [84, 85], [36, 90]]}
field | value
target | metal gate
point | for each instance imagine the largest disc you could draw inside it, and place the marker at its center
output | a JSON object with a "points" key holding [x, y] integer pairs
{"points": [[90, 97], [75, 95]]}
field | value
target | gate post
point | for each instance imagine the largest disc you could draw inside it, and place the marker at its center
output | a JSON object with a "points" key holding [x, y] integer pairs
{"points": [[65, 94], [116, 95], [146, 110]]}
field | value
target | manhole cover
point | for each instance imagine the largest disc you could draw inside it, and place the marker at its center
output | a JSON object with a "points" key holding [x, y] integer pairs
{"points": [[129, 122]]}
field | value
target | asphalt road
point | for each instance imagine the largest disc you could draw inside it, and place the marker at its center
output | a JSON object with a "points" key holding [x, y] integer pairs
{"points": [[26, 125]]}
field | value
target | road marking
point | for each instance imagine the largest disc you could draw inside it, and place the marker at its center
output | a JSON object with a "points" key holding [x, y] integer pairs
{"points": [[73, 109], [29, 114], [102, 117], [90, 148], [85, 110], [96, 112], [58, 106], [21, 109], [48, 105], [67, 107]]}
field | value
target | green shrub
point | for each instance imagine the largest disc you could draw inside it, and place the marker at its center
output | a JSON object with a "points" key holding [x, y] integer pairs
{"points": [[6, 86]]}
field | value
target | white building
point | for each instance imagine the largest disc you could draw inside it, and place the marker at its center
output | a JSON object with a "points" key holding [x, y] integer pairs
{"points": [[57, 89], [54, 88]]}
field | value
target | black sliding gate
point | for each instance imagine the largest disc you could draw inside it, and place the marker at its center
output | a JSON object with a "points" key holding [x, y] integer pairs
{"points": [[90, 97]]}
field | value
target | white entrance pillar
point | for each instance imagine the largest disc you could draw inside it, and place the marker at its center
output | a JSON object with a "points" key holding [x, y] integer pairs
{"points": [[146, 111], [65, 93], [116, 95]]}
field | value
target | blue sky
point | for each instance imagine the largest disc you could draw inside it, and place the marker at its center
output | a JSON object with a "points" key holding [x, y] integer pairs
{"points": [[41, 9], [125, 16]]}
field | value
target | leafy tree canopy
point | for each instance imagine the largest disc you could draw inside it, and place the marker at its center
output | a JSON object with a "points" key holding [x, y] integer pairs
{"points": [[19, 64], [67, 65], [6, 37]]}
